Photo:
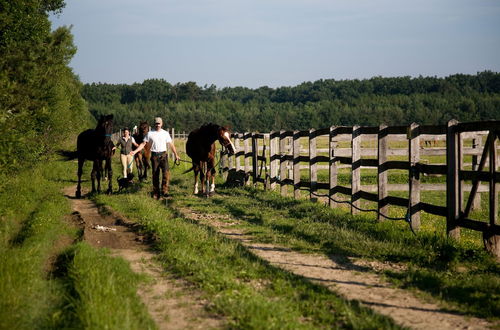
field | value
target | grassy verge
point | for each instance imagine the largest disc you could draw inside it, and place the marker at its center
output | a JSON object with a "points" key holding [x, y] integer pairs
{"points": [[248, 291], [36, 291], [460, 274], [102, 291]]}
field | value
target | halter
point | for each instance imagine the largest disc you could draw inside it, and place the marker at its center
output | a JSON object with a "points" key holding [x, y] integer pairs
{"points": [[226, 144]]}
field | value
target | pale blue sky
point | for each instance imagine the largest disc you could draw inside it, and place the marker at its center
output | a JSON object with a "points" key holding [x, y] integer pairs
{"points": [[276, 43]]}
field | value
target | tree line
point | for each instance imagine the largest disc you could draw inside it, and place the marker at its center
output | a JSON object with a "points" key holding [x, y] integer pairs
{"points": [[40, 97], [43, 103], [393, 101]]}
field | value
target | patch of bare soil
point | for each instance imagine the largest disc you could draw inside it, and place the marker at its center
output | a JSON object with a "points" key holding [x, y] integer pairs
{"points": [[171, 302], [354, 279]]}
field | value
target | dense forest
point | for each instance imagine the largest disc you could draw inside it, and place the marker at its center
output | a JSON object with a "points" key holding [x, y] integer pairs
{"points": [[393, 101], [42, 101], [40, 97]]}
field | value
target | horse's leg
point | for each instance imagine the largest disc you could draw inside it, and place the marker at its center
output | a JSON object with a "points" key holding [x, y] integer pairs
{"points": [[202, 177], [206, 183], [93, 174], [78, 193], [196, 171], [109, 169], [99, 175], [212, 177], [146, 165], [138, 163]]}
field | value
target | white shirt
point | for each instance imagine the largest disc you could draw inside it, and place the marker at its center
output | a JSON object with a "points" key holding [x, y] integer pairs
{"points": [[159, 140]]}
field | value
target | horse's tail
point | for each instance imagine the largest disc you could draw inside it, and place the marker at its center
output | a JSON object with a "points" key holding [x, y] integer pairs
{"points": [[68, 155]]}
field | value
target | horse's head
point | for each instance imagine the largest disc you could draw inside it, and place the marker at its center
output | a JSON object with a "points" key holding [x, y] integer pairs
{"points": [[105, 126], [143, 128], [224, 137]]}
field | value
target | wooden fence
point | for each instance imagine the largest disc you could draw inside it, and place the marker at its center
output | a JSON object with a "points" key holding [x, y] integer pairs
{"points": [[465, 155]]}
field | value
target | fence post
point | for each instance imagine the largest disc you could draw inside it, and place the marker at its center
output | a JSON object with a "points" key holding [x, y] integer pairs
{"points": [[382, 147], [237, 163], [223, 165], [414, 175], [226, 165], [273, 158], [355, 169], [476, 144], [332, 167], [237, 157], [246, 137], [290, 162], [452, 190], [230, 160], [313, 167], [296, 164], [492, 241], [493, 167], [283, 163], [255, 154]]}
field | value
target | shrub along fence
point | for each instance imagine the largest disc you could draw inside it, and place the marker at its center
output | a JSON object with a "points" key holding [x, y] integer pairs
{"points": [[456, 158]]}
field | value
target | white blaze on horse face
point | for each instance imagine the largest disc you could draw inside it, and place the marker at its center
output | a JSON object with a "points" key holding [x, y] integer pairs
{"points": [[196, 188], [226, 134]]}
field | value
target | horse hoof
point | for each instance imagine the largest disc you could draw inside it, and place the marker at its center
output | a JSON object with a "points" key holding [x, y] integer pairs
{"points": [[78, 194]]}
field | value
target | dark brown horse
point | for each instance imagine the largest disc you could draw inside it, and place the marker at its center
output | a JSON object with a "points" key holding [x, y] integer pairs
{"points": [[142, 158], [200, 146], [96, 145]]}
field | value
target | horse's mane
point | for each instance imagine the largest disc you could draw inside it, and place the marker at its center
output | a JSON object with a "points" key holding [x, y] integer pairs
{"points": [[208, 127]]}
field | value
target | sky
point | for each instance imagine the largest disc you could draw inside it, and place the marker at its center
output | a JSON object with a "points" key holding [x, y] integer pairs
{"points": [[254, 43]]}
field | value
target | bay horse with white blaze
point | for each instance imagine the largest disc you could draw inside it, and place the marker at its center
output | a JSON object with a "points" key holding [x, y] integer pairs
{"points": [[142, 158], [96, 145], [200, 146]]}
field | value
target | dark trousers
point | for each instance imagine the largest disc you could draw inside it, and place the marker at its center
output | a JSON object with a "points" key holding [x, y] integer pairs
{"points": [[160, 163]]}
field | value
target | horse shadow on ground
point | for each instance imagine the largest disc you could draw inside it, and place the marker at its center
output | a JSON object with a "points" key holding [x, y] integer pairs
{"points": [[235, 179], [67, 154]]}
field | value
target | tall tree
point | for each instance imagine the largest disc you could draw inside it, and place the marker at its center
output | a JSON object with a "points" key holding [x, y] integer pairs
{"points": [[40, 100]]}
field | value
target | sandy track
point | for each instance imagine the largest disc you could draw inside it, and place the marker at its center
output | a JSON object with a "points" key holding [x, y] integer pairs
{"points": [[171, 302], [353, 280]]}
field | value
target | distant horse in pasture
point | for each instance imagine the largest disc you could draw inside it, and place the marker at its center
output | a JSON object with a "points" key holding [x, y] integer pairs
{"points": [[142, 158], [200, 146], [96, 145]]}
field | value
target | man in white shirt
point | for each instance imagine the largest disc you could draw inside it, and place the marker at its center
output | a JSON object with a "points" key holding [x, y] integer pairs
{"points": [[159, 138]]}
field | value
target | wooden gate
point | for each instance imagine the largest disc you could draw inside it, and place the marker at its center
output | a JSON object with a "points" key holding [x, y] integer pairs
{"points": [[458, 216]]}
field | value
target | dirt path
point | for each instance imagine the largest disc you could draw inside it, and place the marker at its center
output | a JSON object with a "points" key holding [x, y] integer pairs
{"points": [[353, 280], [171, 302]]}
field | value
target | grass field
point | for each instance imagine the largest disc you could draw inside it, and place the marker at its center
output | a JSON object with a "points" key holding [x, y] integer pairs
{"points": [[461, 274], [47, 278], [44, 283]]}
